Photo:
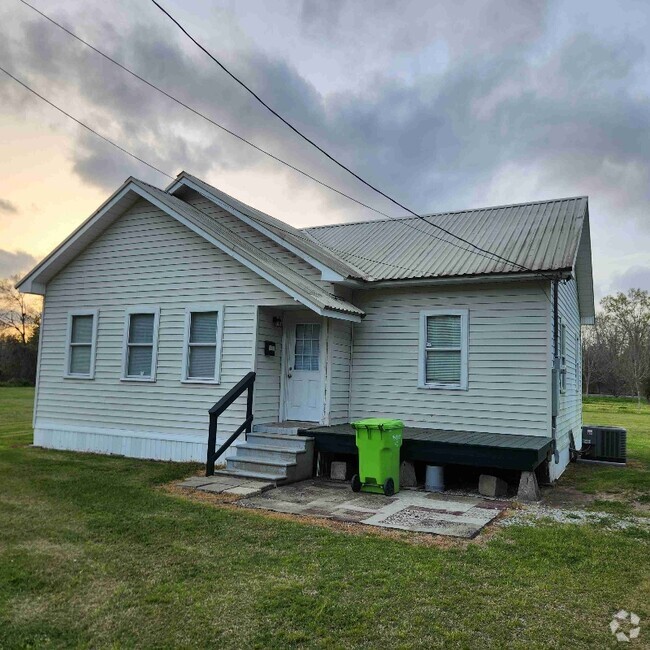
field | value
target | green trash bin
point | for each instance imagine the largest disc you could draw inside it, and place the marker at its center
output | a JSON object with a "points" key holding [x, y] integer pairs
{"points": [[378, 441]]}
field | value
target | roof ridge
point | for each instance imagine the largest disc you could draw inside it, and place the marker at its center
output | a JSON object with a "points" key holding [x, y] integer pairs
{"points": [[407, 217]]}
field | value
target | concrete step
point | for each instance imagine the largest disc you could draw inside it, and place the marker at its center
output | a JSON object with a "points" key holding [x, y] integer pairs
{"points": [[271, 428], [266, 452], [290, 442], [279, 469], [271, 478]]}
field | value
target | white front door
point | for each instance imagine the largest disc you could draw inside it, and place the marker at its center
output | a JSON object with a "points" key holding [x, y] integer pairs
{"points": [[303, 395]]}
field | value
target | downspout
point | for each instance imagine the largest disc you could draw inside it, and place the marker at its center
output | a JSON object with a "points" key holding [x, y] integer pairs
{"points": [[555, 374]]}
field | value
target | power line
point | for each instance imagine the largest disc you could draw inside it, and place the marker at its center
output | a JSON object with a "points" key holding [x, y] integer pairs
{"points": [[160, 171], [199, 114], [328, 155], [490, 256], [85, 126]]}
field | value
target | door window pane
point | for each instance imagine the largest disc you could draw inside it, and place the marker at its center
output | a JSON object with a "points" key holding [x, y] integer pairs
{"points": [[307, 348]]}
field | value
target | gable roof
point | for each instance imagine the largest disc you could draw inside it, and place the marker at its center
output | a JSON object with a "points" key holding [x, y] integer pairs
{"points": [[291, 282], [299, 242], [542, 236]]}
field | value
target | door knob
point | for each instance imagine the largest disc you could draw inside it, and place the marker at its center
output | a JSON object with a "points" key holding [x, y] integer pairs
{"points": [[289, 375]]}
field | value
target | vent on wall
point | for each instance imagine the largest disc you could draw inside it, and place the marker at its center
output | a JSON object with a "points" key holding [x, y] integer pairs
{"points": [[608, 444]]}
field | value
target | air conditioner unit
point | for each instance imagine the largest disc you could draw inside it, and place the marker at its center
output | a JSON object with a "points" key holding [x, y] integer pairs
{"points": [[608, 444]]}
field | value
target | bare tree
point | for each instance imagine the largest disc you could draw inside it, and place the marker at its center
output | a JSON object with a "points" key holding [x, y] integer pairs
{"points": [[630, 317], [19, 312]]}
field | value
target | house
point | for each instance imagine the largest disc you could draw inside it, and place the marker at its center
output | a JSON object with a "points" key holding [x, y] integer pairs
{"points": [[161, 302]]}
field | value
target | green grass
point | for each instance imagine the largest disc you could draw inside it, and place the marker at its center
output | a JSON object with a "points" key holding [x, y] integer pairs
{"points": [[633, 482], [93, 555]]}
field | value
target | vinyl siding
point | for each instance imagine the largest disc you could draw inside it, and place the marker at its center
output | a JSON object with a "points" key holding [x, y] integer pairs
{"points": [[256, 238], [508, 365], [147, 258], [339, 361], [267, 382], [570, 404]]}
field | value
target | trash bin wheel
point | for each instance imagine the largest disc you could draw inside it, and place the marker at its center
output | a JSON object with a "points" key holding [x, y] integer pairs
{"points": [[356, 483], [389, 487]]}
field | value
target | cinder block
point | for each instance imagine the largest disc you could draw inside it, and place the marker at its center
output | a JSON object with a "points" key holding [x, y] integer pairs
{"points": [[407, 474], [528, 487], [492, 486], [338, 470]]}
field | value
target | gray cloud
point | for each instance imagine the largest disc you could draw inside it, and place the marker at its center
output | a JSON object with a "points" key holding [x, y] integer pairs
{"points": [[15, 263], [515, 105], [7, 206], [636, 277]]}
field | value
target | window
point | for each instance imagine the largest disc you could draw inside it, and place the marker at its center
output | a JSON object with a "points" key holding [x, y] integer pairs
{"points": [[82, 336], [140, 349], [562, 343], [202, 354], [443, 349], [307, 350]]}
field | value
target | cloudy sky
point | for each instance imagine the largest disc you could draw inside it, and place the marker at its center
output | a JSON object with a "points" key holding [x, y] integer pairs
{"points": [[446, 105]]}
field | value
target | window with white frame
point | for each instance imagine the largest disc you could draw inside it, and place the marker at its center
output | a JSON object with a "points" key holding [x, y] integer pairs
{"points": [[562, 356], [443, 349], [140, 344], [82, 337], [202, 355]]}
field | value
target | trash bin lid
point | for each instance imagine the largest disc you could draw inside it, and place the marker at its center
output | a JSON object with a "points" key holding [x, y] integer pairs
{"points": [[385, 424]]}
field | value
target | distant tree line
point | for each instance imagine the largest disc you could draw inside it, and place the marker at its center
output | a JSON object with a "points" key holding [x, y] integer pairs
{"points": [[616, 350], [20, 319]]}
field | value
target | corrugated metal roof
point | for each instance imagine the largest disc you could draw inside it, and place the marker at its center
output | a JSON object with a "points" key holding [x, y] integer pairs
{"points": [[540, 236], [273, 267]]}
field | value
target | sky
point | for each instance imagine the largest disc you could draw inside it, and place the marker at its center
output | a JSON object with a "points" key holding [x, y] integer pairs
{"points": [[446, 105]]}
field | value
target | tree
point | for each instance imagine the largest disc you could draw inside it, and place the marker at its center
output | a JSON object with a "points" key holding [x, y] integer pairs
{"points": [[597, 361], [19, 313], [630, 318]]}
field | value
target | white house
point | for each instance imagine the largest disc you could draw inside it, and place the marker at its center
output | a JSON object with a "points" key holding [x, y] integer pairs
{"points": [[160, 302]]}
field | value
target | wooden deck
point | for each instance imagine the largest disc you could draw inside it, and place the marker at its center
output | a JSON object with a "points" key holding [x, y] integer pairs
{"points": [[440, 447]]}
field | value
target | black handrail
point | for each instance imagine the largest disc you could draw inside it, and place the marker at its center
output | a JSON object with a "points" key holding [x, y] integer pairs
{"points": [[245, 383]]}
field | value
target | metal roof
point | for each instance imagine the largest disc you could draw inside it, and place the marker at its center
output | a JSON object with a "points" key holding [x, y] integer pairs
{"points": [[540, 236]]}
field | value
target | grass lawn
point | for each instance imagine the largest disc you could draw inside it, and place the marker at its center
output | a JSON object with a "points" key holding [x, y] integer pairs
{"points": [[93, 555]]}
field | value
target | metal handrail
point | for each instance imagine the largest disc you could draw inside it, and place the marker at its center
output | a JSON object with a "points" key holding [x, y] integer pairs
{"points": [[245, 383]]}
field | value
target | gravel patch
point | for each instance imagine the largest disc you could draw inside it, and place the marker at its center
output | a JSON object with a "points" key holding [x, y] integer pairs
{"points": [[530, 515]]}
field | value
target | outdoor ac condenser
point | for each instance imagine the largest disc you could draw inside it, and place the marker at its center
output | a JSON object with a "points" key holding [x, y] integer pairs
{"points": [[608, 444]]}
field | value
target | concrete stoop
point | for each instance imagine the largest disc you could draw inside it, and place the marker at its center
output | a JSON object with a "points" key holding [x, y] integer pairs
{"points": [[271, 454]]}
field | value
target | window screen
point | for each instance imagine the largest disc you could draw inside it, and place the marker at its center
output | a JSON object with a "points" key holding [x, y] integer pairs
{"points": [[307, 349], [443, 349], [202, 345], [140, 343], [81, 345]]}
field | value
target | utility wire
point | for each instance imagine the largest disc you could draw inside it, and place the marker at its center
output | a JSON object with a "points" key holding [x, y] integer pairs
{"points": [[199, 114], [160, 171], [85, 126], [328, 155], [489, 256]]}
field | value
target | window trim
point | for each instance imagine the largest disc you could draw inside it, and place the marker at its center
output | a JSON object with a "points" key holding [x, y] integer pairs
{"points": [[202, 308], [145, 309], [93, 344], [464, 349]]}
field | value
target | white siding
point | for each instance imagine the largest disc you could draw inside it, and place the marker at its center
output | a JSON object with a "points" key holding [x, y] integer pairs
{"points": [[339, 357], [570, 404], [268, 369], [256, 238], [146, 258], [508, 382]]}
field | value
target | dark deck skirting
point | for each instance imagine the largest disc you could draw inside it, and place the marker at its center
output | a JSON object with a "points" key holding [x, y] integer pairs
{"points": [[435, 446]]}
